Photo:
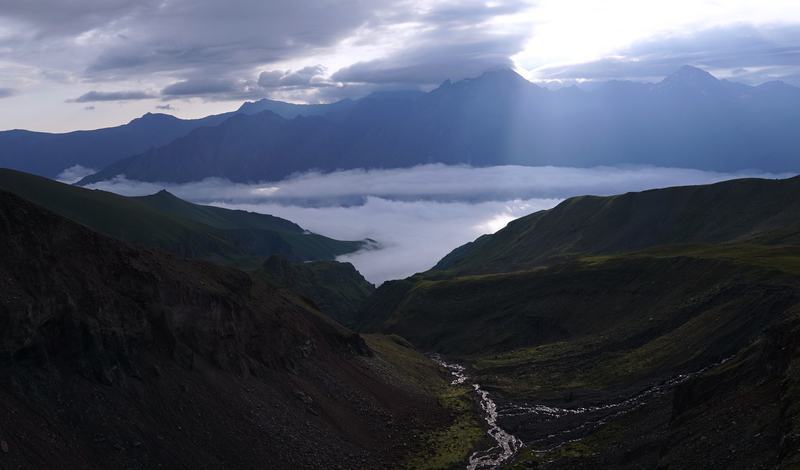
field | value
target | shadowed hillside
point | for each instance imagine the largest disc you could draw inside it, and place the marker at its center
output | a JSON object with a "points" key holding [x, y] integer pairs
{"points": [[337, 289], [167, 222], [116, 356]]}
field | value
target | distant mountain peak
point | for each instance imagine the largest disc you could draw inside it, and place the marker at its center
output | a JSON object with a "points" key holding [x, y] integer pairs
{"points": [[502, 75], [498, 79], [689, 74], [777, 85], [163, 195], [292, 110], [152, 118], [247, 106]]}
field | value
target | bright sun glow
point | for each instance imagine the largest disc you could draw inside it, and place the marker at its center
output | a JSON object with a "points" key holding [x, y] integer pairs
{"points": [[495, 223], [574, 31]]}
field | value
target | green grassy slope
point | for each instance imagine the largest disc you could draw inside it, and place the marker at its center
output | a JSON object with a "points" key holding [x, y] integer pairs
{"points": [[260, 234], [617, 302], [599, 293], [167, 222], [757, 210]]}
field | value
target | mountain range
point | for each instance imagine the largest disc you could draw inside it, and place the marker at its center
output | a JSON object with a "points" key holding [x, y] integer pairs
{"points": [[690, 119], [48, 154]]}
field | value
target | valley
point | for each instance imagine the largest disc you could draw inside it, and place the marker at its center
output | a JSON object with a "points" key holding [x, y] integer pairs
{"points": [[561, 341], [626, 293], [418, 235], [598, 354]]}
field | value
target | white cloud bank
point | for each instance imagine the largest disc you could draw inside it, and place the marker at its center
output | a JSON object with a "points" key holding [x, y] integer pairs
{"points": [[413, 235], [419, 214], [74, 174]]}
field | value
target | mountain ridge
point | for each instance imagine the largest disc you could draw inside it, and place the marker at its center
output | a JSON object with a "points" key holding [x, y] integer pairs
{"points": [[500, 118], [164, 221]]}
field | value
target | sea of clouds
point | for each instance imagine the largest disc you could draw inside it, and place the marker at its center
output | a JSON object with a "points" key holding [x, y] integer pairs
{"points": [[417, 215]]}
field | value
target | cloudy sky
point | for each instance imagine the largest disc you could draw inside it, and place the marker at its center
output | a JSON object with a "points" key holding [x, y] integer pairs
{"points": [[93, 63]]}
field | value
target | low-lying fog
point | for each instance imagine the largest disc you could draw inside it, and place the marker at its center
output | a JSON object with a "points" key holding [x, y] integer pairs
{"points": [[419, 214]]}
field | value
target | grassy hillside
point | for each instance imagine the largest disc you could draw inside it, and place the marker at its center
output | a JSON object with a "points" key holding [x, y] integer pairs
{"points": [[748, 222], [746, 210], [628, 299], [627, 306], [167, 222]]}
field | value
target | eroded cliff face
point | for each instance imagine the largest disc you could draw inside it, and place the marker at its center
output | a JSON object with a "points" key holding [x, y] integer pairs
{"points": [[116, 356]]}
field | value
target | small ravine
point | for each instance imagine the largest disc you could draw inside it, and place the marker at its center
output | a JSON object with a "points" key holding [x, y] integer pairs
{"points": [[548, 427], [507, 444]]}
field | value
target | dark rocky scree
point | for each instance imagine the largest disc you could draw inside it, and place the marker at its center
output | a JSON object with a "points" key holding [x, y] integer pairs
{"points": [[118, 357]]}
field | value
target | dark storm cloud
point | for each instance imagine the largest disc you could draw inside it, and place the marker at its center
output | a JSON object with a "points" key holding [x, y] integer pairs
{"points": [[117, 40], [190, 40], [457, 44], [192, 37], [94, 96], [199, 87], [749, 54], [447, 60], [238, 49], [311, 76], [213, 89], [54, 18]]}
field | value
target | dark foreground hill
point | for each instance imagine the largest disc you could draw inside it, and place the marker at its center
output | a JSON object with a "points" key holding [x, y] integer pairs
{"points": [[167, 222], [690, 119], [113, 356], [654, 329]]}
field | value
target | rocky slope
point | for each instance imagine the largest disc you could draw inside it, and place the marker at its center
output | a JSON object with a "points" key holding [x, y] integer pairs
{"points": [[337, 289], [113, 356]]}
